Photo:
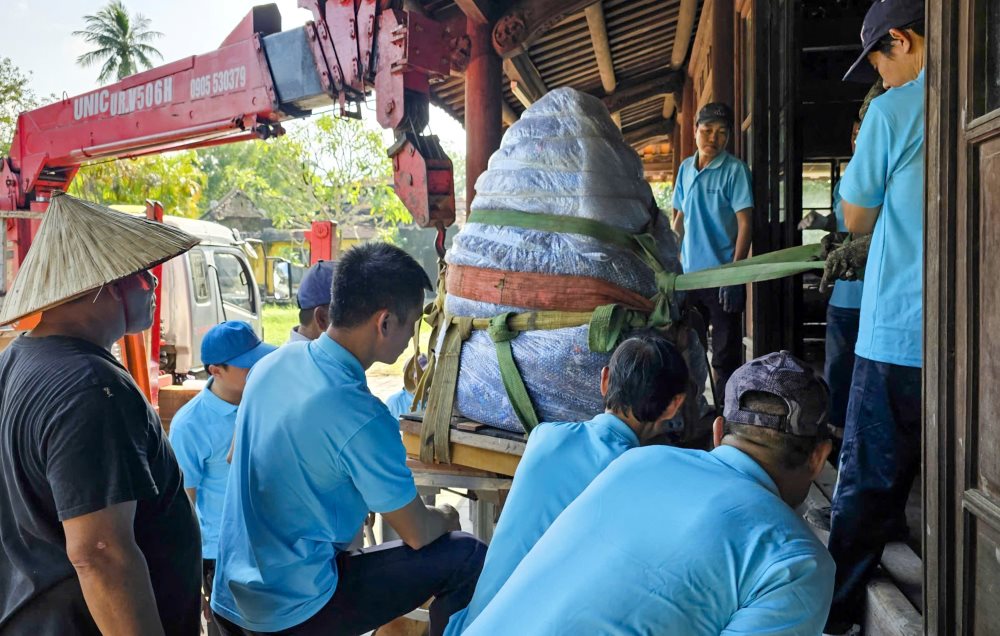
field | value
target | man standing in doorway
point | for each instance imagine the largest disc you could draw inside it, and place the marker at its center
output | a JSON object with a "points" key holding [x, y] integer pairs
{"points": [[712, 203], [882, 194]]}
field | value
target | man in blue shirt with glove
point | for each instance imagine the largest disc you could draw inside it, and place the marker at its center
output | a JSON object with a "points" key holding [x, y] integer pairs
{"points": [[315, 452], [202, 430], [643, 385], [712, 205], [882, 193]]}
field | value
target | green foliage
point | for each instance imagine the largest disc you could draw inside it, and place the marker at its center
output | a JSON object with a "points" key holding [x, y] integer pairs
{"points": [[122, 42], [176, 180], [329, 168], [277, 321], [15, 98]]}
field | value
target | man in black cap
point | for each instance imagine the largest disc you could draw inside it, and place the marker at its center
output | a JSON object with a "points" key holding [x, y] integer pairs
{"points": [[674, 541], [712, 203], [882, 192]]}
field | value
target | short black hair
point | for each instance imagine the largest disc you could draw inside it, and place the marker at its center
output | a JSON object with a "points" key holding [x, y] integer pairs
{"points": [[884, 45], [646, 373], [374, 276], [306, 316], [790, 451]]}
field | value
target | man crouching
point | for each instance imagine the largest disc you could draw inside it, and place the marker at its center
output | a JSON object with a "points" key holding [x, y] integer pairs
{"points": [[315, 451]]}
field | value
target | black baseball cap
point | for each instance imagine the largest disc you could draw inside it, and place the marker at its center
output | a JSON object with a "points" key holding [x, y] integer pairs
{"points": [[784, 376], [715, 111], [881, 17]]}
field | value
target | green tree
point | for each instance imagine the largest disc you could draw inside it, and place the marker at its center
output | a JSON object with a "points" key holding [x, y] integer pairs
{"points": [[176, 180], [122, 41], [15, 98]]}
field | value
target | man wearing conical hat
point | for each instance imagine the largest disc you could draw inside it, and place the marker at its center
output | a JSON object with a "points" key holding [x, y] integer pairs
{"points": [[96, 534]]}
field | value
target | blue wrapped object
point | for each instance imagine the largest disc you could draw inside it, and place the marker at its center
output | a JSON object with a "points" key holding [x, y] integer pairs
{"points": [[565, 156]]}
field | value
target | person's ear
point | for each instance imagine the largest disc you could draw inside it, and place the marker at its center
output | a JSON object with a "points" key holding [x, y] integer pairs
{"points": [[114, 289], [382, 322], [605, 380], [321, 315], [718, 431], [214, 371], [818, 457], [675, 405], [905, 41]]}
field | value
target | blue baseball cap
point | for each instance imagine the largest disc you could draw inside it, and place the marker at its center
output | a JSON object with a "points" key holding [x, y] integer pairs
{"points": [[782, 375], [314, 290], [234, 343], [881, 17]]}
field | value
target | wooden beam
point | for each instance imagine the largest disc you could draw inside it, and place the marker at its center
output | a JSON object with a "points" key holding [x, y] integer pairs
{"points": [[639, 134], [529, 84], [602, 48], [616, 117], [682, 40], [479, 11], [644, 87], [507, 113], [483, 99], [526, 20]]}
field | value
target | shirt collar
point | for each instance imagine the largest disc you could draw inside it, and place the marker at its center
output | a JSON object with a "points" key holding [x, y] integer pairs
{"points": [[618, 426], [743, 463], [216, 404], [713, 164], [329, 347]]}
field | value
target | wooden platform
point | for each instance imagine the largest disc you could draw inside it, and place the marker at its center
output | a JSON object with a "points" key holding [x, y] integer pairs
{"points": [[489, 449]]}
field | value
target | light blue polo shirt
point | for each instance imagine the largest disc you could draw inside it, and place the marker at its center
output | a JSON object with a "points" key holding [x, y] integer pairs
{"points": [[709, 199], [315, 451], [201, 434], [399, 403], [888, 170], [559, 462], [670, 541], [846, 293]]}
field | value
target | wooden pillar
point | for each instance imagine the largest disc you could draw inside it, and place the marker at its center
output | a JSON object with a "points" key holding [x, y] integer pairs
{"points": [[689, 103], [723, 75], [482, 105]]}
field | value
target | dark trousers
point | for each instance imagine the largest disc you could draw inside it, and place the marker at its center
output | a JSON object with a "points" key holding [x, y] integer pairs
{"points": [[879, 460], [727, 337], [379, 584], [207, 575], [841, 336]]}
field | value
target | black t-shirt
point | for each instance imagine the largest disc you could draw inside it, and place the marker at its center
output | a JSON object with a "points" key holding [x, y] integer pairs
{"points": [[77, 436]]}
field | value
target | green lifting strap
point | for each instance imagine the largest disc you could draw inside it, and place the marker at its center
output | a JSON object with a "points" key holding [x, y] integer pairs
{"points": [[517, 393], [435, 431]]}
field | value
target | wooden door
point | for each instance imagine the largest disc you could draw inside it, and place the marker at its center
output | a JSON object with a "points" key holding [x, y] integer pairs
{"points": [[775, 152], [962, 319]]}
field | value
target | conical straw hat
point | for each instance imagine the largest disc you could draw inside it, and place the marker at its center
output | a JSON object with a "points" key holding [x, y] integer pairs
{"points": [[81, 246]]}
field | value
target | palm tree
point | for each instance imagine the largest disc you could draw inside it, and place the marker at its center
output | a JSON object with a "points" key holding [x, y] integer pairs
{"points": [[122, 41]]}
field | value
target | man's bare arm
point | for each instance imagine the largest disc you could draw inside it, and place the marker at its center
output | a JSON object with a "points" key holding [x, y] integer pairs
{"points": [[679, 224], [112, 571], [417, 525], [860, 220], [744, 234]]}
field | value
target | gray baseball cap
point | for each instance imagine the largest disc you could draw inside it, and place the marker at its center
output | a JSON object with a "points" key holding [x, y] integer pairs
{"points": [[782, 375]]}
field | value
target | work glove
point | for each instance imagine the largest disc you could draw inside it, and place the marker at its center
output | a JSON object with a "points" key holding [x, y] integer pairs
{"points": [[846, 262], [733, 298], [816, 221]]}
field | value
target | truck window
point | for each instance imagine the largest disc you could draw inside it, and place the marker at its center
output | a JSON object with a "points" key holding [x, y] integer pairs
{"points": [[233, 282], [199, 275]]}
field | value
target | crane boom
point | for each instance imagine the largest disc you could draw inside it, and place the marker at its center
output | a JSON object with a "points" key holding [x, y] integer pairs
{"points": [[259, 77]]}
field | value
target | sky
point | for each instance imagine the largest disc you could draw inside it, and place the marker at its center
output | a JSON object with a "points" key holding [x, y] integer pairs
{"points": [[38, 39]]}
